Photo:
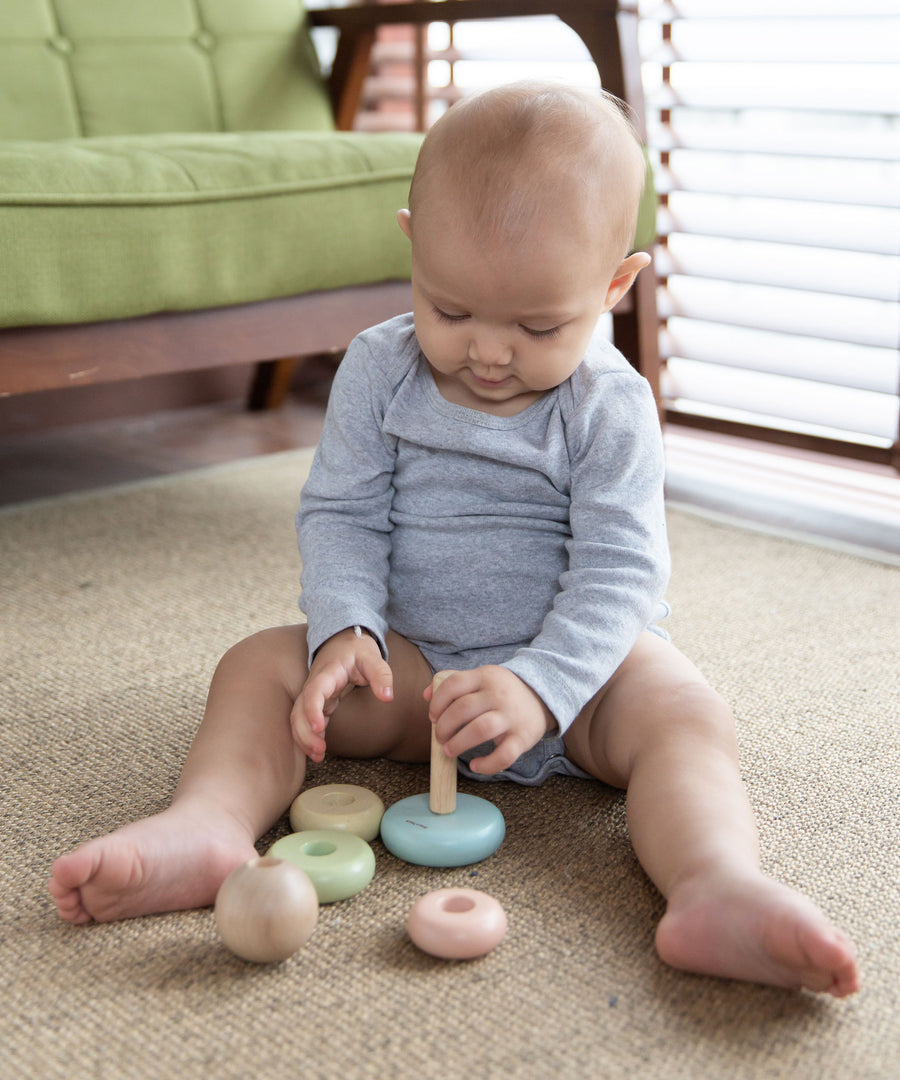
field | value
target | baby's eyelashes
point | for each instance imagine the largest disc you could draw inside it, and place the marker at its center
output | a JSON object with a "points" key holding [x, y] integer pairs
{"points": [[445, 316], [553, 332]]}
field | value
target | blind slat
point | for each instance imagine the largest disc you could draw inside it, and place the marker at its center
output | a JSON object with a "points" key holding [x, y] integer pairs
{"points": [[836, 407], [838, 318], [722, 88], [847, 273], [849, 228], [836, 440], [857, 183], [861, 367], [665, 10], [879, 142], [798, 41], [543, 38]]}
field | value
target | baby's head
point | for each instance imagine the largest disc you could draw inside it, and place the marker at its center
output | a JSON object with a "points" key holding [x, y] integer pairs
{"points": [[522, 213], [509, 162]]}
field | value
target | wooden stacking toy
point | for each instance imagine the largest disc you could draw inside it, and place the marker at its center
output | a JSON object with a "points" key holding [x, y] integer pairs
{"points": [[338, 863], [266, 910], [443, 827], [456, 924], [338, 806]]}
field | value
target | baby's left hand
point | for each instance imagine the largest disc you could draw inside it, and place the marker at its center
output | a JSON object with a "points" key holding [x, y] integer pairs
{"points": [[471, 707]]}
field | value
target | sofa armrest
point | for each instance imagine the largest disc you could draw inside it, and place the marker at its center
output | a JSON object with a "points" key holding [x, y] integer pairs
{"points": [[608, 29]]}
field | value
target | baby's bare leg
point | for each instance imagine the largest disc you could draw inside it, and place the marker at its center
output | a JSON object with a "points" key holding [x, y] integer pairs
{"points": [[658, 730], [240, 775]]}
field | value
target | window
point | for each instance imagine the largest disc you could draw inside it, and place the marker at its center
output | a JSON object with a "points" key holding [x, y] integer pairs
{"points": [[776, 127]]}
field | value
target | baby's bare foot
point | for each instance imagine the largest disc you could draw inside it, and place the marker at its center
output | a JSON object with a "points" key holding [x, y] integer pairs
{"points": [[757, 930], [169, 862]]}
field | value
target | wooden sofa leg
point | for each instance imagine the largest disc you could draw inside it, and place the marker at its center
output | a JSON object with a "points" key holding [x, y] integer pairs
{"points": [[271, 382]]}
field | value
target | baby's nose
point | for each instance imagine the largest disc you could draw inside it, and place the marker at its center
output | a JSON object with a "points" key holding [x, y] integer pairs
{"points": [[490, 349]]}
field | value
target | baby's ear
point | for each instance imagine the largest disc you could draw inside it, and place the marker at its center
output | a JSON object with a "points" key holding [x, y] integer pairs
{"points": [[623, 277], [405, 223]]}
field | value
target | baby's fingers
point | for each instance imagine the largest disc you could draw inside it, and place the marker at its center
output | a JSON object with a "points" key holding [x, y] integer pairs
{"points": [[504, 754], [321, 693], [377, 675], [317, 701], [311, 743]]}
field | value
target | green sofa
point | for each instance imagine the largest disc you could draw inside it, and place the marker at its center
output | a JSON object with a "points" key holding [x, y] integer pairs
{"points": [[175, 193]]}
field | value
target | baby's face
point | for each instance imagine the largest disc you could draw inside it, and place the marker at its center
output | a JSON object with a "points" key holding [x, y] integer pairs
{"points": [[501, 323]]}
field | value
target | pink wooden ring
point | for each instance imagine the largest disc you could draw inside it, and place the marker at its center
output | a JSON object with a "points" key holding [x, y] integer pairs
{"points": [[456, 924]]}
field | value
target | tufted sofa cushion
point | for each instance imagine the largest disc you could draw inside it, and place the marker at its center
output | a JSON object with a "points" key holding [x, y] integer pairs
{"points": [[179, 155], [107, 228], [134, 67]]}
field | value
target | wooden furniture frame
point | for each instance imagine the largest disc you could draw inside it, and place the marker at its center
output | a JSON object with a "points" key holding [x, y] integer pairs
{"points": [[274, 333]]}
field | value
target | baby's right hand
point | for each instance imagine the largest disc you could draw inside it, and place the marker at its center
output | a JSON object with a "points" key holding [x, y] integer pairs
{"points": [[344, 662]]}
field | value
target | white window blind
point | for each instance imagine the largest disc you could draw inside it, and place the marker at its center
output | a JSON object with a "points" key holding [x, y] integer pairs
{"points": [[776, 127]]}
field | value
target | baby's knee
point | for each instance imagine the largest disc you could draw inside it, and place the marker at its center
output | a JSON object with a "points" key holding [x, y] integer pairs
{"points": [[694, 709], [280, 649]]}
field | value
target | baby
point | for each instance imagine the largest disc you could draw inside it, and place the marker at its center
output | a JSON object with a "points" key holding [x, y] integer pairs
{"points": [[487, 497]]}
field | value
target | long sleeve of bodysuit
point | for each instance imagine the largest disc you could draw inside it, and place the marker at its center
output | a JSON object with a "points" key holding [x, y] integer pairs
{"points": [[618, 559], [344, 528]]}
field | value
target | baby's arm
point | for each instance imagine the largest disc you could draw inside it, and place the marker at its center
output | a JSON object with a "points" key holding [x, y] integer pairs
{"points": [[488, 703], [344, 662], [618, 559], [344, 528], [344, 533]]}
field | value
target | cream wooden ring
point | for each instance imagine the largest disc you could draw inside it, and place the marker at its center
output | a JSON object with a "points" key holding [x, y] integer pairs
{"points": [[338, 806]]}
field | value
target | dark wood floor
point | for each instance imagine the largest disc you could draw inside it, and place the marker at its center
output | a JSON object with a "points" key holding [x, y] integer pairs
{"points": [[110, 452], [50, 457]]}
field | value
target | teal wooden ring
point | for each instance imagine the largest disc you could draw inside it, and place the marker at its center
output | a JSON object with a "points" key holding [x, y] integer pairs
{"points": [[338, 863], [413, 833]]}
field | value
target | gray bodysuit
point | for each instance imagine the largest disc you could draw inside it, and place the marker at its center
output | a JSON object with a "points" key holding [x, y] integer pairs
{"points": [[536, 541]]}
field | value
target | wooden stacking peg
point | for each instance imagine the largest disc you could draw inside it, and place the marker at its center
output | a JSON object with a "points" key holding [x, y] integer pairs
{"points": [[441, 828], [442, 789]]}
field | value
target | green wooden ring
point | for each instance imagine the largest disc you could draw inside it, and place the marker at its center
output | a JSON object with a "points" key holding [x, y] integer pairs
{"points": [[338, 863]]}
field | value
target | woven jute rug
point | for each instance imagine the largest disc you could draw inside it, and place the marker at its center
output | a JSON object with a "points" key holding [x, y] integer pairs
{"points": [[115, 608]]}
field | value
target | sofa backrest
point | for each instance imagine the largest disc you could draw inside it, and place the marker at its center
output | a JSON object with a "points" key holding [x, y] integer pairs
{"points": [[72, 68]]}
